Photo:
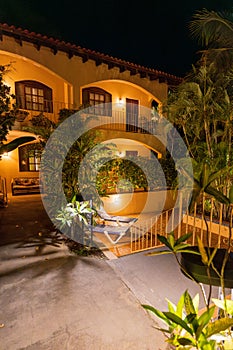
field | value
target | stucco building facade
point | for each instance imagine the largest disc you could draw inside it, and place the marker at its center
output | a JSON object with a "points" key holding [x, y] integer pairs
{"points": [[47, 75]]}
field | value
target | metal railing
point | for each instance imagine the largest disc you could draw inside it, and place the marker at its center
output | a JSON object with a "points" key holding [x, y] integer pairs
{"points": [[144, 234], [213, 230], [24, 115], [129, 122], [117, 120]]}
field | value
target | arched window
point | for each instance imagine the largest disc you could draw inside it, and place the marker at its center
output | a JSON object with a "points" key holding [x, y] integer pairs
{"points": [[33, 95], [98, 101]]}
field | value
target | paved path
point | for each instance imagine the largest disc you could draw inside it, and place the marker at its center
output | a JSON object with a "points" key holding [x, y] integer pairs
{"points": [[153, 279], [55, 300], [23, 218]]}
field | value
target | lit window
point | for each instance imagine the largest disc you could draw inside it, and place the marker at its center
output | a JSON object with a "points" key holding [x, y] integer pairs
{"points": [[29, 158], [34, 160], [35, 96], [98, 101]]}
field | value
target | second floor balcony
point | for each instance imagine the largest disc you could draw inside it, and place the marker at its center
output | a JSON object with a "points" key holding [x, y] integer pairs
{"points": [[114, 119]]}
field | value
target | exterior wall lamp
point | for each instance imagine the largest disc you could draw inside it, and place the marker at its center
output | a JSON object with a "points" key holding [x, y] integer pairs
{"points": [[120, 101], [5, 155]]}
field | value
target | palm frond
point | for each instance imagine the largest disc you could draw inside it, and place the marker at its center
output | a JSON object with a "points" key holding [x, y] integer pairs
{"points": [[211, 27]]}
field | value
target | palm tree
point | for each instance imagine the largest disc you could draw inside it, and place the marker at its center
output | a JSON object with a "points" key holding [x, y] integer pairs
{"points": [[202, 105], [201, 108], [214, 31]]}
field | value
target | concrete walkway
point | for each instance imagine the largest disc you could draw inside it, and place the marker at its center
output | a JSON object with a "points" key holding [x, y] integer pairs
{"points": [[52, 299], [56, 300]]}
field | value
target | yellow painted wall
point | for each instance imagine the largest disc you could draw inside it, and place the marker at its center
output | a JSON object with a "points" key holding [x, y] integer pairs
{"points": [[129, 145], [67, 77], [77, 73], [24, 69], [121, 89], [145, 139], [9, 168]]}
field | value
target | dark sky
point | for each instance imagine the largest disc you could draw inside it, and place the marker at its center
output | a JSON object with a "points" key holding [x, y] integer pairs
{"points": [[154, 34]]}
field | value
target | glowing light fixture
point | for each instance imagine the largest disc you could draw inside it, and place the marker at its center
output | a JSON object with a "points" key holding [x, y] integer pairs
{"points": [[5, 155], [121, 154]]}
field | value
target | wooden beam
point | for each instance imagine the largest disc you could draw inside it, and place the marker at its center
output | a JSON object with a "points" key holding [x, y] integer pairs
{"points": [[85, 58], [98, 62], [143, 75], [133, 71], [70, 54], [162, 80], [37, 45], [153, 77], [122, 69], [110, 65], [54, 49], [18, 39]]}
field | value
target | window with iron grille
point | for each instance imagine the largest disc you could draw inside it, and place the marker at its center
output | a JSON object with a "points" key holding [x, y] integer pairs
{"points": [[33, 95], [98, 101]]}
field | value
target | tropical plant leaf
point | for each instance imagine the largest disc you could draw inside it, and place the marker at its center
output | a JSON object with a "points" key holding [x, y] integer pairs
{"points": [[158, 313], [160, 252], [204, 319], [219, 196], [171, 239], [196, 300], [190, 251], [204, 256], [188, 303], [217, 174], [195, 194], [204, 177], [183, 238], [162, 329], [176, 319], [212, 255], [190, 311], [218, 326], [190, 318], [207, 26], [185, 341], [222, 303], [231, 194], [171, 307], [10, 146], [164, 240], [182, 247], [180, 306]]}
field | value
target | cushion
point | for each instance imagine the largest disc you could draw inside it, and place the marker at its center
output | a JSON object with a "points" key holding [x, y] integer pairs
{"points": [[25, 181]]}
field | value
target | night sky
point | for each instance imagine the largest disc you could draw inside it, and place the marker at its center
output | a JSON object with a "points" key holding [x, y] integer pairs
{"points": [[154, 34]]}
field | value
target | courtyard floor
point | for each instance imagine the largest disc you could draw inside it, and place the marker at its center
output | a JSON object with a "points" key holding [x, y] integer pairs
{"points": [[51, 298]]}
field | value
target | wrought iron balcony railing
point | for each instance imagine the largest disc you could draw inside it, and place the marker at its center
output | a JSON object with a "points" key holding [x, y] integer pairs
{"points": [[118, 120]]}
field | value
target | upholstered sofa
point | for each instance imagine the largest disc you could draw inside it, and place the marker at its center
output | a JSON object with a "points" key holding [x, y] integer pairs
{"points": [[23, 185]]}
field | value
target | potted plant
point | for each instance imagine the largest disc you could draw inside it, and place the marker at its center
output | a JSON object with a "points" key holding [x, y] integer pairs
{"points": [[186, 326], [207, 267]]}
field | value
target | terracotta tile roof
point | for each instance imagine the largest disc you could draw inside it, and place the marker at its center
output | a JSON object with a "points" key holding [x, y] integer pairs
{"points": [[56, 45]]}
